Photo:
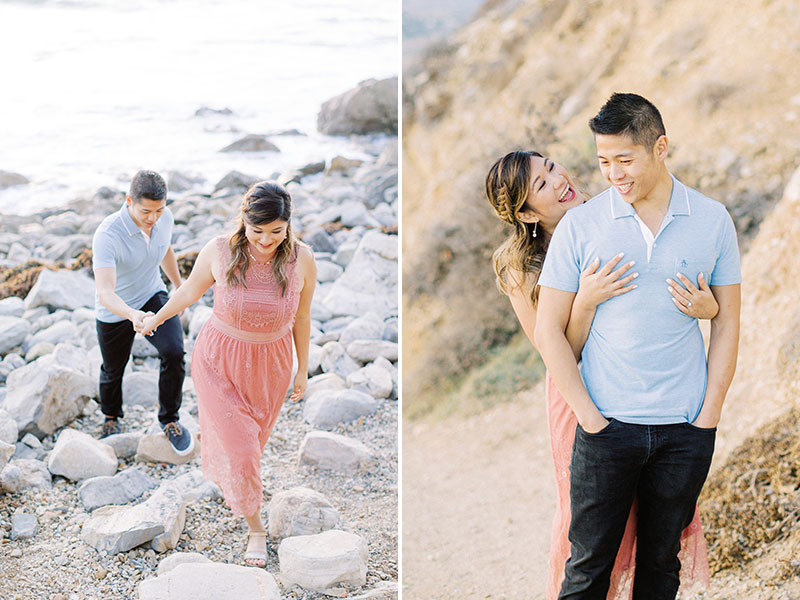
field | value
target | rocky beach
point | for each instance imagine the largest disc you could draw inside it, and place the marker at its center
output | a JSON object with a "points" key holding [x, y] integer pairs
{"points": [[125, 517]]}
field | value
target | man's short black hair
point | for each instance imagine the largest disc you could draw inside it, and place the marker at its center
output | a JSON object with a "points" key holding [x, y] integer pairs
{"points": [[149, 185], [629, 114]]}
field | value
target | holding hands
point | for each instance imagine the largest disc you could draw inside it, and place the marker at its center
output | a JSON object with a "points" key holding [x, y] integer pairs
{"points": [[149, 325], [693, 301]]}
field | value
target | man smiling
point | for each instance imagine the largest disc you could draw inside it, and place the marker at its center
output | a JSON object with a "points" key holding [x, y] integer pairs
{"points": [[128, 248], [646, 400]]}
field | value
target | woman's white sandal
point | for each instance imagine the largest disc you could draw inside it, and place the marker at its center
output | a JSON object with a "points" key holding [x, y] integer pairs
{"points": [[256, 555]]}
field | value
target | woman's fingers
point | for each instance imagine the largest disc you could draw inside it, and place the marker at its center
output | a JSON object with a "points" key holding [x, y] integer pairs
{"points": [[592, 267], [678, 292], [624, 290], [684, 308], [701, 281], [687, 283], [611, 264], [621, 271]]}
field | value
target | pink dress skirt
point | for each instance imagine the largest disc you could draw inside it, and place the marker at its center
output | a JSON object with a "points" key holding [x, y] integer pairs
{"points": [[241, 368]]}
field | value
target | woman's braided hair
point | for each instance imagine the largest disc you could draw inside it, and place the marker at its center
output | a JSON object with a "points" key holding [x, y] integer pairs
{"points": [[508, 185]]}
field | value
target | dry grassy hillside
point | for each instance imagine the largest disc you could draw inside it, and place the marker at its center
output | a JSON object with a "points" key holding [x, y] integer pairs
{"points": [[530, 74]]}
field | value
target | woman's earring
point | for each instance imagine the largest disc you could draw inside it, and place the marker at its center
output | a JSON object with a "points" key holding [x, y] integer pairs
{"points": [[535, 225]]}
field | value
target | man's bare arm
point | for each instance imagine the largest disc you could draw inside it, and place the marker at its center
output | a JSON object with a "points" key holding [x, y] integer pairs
{"points": [[551, 323], [723, 349], [106, 280]]}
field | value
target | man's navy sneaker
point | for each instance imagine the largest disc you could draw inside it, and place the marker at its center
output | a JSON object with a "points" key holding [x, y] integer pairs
{"points": [[180, 438]]}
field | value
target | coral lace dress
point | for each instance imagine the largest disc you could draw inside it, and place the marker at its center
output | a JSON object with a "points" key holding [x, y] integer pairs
{"points": [[693, 556], [242, 367]]}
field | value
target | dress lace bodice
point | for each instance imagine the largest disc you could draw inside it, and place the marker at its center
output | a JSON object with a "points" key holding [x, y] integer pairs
{"points": [[259, 307]]}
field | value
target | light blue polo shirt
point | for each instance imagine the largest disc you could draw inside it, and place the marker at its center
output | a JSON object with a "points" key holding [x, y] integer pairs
{"points": [[120, 244], [644, 361]]}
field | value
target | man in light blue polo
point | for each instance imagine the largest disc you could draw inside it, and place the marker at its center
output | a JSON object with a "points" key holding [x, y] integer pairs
{"points": [[128, 248], [647, 402]]}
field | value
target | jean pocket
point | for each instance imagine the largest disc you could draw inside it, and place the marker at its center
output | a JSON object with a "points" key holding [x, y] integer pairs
{"points": [[694, 427], [611, 422]]}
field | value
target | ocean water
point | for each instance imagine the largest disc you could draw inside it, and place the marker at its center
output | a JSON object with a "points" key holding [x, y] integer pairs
{"points": [[94, 90]]}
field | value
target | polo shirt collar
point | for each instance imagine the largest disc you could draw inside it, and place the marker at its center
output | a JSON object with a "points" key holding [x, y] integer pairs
{"points": [[130, 226], [678, 202]]}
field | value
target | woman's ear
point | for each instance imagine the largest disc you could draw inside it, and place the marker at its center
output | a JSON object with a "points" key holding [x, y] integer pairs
{"points": [[528, 216]]}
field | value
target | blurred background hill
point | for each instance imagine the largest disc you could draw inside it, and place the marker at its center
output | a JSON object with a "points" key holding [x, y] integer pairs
{"points": [[529, 74]]}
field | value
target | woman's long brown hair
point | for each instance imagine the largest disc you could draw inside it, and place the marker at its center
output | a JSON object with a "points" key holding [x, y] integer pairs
{"points": [[508, 185]]}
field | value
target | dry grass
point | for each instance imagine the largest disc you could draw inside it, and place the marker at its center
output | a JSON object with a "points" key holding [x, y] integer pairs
{"points": [[753, 501]]}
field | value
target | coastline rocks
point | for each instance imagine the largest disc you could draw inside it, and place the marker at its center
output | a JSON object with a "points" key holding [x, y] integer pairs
{"points": [[300, 511], [124, 444], [12, 307], [43, 396], [251, 143], [373, 379], [78, 456], [334, 452], [326, 409], [334, 359], [369, 282], [6, 452], [10, 179], [366, 351], [140, 388], [24, 473], [13, 331], [371, 107], [61, 331], [115, 529], [155, 447], [23, 526], [124, 487], [236, 181], [202, 581], [61, 289], [317, 562], [180, 558]]}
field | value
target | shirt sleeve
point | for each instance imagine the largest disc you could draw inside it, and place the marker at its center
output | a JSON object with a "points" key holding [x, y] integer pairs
{"points": [[727, 270], [561, 268], [103, 251]]}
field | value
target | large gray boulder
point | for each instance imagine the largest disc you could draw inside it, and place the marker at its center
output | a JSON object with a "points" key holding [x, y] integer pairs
{"points": [[57, 333], [327, 409], [203, 581], [317, 562], [61, 289], [9, 432], [6, 452], [115, 529], [370, 107], [251, 143], [78, 456], [12, 307], [10, 179], [334, 452], [369, 283], [300, 511], [13, 331], [25, 473], [43, 396], [126, 486]]}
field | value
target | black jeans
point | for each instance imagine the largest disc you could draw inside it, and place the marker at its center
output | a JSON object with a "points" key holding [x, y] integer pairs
{"points": [[116, 340], [665, 467]]}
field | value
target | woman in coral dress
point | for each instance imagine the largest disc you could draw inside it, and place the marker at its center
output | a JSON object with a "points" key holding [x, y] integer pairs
{"points": [[242, 358], [532, 193]]}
